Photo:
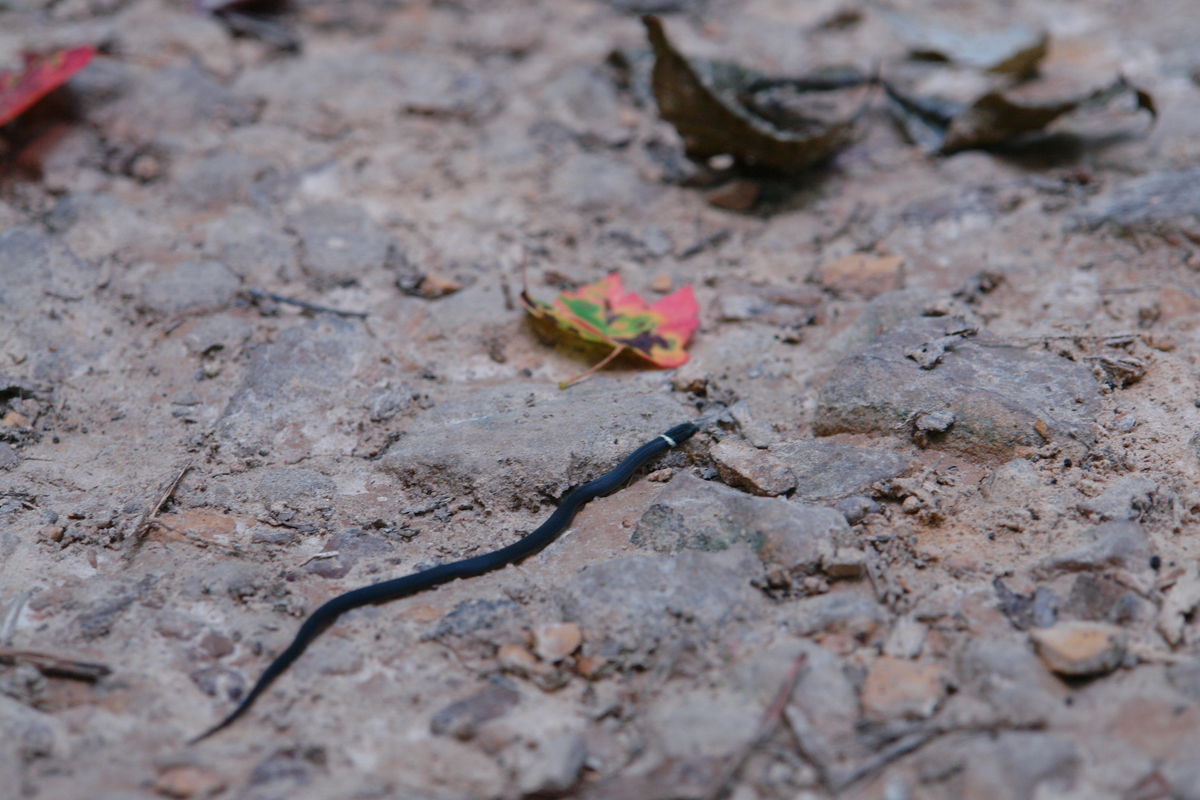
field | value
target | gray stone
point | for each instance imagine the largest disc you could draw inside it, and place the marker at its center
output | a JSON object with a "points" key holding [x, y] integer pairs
{"points": [[26, 736], [906, 639], [1125, 499], [824, 708], [462, 718], [293, 399], [830, 471], [696, 515], [749, 468], [592, 183], [1161, 203], [637, 610], [1100, 599], [1177, 609], [936, 421], [340, 244], [351, 546], [1122, 544], [324, 94], [388, 401], [9, 459], [192, 287], [222, 178], [846, 562], [438, 88], [585, 100], [555, 768], [96, 226], [856, 507], [1000, 396], [97, 617], [787, 307], [682, 724], [9, 542], [1185, 677], [1078, 648], [1011, 765], [881, 315], [171, 101], [294, 485], [332, 655], [251, 246], [1183, 778], [476, 629], [516, 444], [36, 264], [756, 432], [216, 332], [848, 611], [1008, 677], [1037, 610]]}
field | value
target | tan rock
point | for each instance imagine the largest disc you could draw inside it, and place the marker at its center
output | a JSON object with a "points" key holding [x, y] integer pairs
{"points": [[749, 468], [739, 195], [1180, 602], [901, 688], [846, 562], [862, 274], [554, 641], [1080, 648], [14, 419], [186, 780]]}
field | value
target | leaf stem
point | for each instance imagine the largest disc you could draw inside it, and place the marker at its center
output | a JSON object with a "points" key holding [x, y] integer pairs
{"points": [[616, 352]]}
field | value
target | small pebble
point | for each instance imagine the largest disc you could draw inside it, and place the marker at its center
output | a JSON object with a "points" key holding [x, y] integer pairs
{"points": [[1080, 648]]}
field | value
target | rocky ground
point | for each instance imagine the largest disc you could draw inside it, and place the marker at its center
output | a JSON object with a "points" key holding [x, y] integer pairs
{"points": [[950, 492]]}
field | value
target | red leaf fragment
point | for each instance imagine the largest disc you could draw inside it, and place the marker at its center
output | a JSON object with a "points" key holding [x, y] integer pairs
{"points": [[41, 75]]}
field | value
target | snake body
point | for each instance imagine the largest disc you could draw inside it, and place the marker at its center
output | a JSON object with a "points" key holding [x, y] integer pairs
{"points": [[394, 589]]}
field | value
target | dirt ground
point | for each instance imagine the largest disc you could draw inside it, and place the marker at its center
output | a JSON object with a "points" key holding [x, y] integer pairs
{"points": [[939, 540]]}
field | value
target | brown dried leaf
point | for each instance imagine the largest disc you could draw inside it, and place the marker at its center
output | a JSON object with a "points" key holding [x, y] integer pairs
{"points": [[701, 99]]}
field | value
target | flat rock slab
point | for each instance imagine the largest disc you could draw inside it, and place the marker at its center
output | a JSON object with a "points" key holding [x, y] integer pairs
{"points": [[1159, 203], [631, 608], [691, 514], [1001, 397], [518, 444], [293, 400], [1122, 544], [830, 471]]}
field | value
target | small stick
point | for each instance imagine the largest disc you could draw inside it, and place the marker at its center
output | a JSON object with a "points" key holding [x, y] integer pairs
{"points": [[258, 295], [766, 727], [144, 526], [55, 666], [712, 240], [11, 616], [1007, 341], [616, 352]]}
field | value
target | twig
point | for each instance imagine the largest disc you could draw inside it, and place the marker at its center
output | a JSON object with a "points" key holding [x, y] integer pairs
{"points": [[143, 527], [1007, 341], [616, 352], [11, 616], [712, 240], [55, 666], [766, 727], [258, 295]]}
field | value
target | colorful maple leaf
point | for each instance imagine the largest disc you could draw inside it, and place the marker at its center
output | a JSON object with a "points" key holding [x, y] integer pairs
{"points": [[41, 74], [604, 313]]}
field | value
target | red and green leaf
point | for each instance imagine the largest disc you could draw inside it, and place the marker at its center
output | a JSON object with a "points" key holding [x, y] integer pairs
{"points": [[604, 313], [41, 75]]}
